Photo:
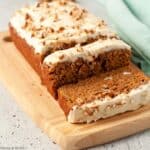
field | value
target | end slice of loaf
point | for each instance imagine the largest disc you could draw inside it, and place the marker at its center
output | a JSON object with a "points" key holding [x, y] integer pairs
{"points": [[105, 95]]}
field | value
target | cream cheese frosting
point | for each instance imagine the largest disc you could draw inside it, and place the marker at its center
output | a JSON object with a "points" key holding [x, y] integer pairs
{"points": [[86, 52], [108, 107], [46, 26]]}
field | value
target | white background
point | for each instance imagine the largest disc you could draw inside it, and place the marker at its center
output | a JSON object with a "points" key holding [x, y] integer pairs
{"points": [[17, 129]]}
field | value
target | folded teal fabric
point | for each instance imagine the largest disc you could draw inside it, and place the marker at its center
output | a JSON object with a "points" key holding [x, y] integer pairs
{"points": [[132, 27], [141, 9]]}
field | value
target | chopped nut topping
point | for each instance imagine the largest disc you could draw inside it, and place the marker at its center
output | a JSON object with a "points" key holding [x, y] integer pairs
{"points": [[86, 31], [96, 108], [56, 18], [25, 25], [50, 30], [114, 105], [47, 5], [70, 17], [108, 107], [62, 2], [61, 29], [123, 102], [62, 56], [84, 10], [89, 111], [77, 13], [44, 43], [42, 19], [33, 34], [43, 35], [38, 4], [28, 17], [103, 23], [89, 54], [105, 86], [80, 101], [79, 48], [118, 104], [89, 31]]}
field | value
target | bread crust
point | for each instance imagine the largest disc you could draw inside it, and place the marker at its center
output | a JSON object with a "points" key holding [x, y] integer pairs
{"points": [[28, 51]]}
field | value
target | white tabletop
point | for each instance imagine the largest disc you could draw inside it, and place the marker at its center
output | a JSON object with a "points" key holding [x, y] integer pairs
{"points": [[17, 129]]}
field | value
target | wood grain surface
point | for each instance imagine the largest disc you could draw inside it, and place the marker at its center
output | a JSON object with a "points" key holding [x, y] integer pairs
{"points": [[25, 85]]}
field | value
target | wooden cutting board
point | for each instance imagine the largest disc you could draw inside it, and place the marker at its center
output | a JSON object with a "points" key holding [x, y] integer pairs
{"points": [[25, 86]]}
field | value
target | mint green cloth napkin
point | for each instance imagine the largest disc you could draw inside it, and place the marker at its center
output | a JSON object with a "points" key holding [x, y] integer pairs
{"points": [[141, 9], [133, 26]]}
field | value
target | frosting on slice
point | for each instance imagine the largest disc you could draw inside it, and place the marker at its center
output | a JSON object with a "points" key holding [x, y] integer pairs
{"points": [[86, 52], [107, 107]]}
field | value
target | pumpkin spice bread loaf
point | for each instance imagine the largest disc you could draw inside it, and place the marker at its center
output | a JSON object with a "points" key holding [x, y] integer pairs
{"points": [[44, 28], [105, 95], [65, 43], [80, 60]]}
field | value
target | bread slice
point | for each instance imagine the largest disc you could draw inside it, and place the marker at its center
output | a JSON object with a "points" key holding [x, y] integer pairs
{"points": [[105, 95]]}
